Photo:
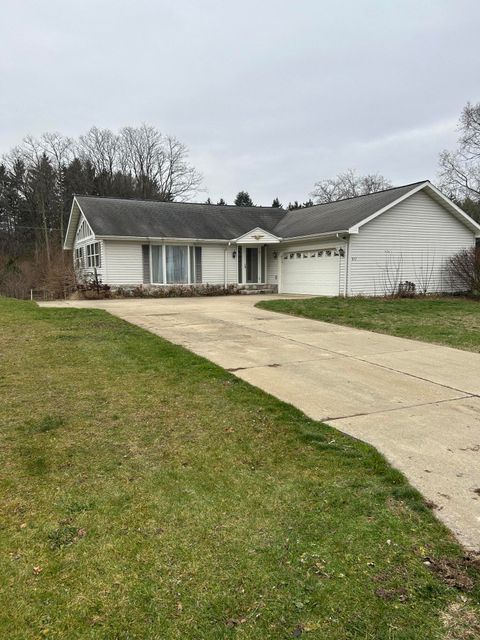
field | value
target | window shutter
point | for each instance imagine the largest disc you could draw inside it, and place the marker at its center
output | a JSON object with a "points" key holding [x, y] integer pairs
{"points": [[146, 263], [198, 264]]}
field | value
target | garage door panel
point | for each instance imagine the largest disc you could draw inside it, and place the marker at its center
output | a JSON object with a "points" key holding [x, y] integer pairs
{"points": [[311, 272]]}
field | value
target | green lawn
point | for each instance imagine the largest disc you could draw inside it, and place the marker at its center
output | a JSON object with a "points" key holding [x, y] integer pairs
{"points": [[148, 494], [451, 321]]}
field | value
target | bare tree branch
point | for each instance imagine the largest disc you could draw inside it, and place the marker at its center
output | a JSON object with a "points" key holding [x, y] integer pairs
{"points": [[348, 185], [460, 169]]}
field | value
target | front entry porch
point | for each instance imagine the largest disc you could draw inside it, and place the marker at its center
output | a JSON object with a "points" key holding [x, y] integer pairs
{"points": [[252, 264]]}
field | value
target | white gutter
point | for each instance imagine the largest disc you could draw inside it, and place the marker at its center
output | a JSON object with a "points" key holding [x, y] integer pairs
{"points": [[315, 235], [163, 239]]}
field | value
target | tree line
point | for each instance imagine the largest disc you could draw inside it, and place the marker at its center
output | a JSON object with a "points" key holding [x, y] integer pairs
{"points": [[38, 178]]}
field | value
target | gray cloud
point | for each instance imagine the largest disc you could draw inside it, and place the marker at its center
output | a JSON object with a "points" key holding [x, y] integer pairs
{"points": [[269, 96]]}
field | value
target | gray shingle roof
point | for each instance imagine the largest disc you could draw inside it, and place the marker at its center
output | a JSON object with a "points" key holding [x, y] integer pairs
{"points": [[146, 218], [337, 216]]}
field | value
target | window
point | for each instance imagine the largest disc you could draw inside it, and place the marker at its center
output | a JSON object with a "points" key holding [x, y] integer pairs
{"points": [[176, 261], [176, 264], [83, 230], [79, 263], [157, 263], [196, 264], [93, 254]]}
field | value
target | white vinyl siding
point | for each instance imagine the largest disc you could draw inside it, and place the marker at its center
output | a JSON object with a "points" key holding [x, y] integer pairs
{"points": [[213, 263], [123, 262], [415, 237], [272, 264], [232, 264]]}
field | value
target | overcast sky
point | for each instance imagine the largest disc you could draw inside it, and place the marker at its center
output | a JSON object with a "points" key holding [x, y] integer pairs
{"points": [[269, 96]]}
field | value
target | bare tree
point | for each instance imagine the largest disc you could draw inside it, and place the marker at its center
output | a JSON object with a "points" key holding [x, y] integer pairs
{"points": [[348, 185], [177, 179], [158, 163], [101, 147], [57, 147], [460, 169]]}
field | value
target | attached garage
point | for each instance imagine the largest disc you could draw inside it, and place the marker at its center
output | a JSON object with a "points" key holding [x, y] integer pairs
{"points": [[311, 271]]}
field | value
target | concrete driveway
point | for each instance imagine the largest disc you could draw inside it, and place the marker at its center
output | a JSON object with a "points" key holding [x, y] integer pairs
{"points": [[415, 402]]}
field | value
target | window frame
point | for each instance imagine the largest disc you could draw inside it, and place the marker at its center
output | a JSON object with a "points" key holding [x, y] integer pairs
{"points": [[194, 271], [79, 258], [93, 255]]}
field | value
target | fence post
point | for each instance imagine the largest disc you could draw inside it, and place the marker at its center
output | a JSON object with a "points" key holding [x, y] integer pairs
{"points": [[31, 294]]}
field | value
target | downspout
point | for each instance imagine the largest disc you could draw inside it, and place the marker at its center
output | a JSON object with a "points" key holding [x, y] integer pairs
{"points": [[347, 247], [347, 266]]}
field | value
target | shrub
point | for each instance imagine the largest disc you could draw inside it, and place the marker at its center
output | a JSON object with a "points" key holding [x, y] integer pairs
{"points": [[463, 269], [406, 289], [48, 276], [91, 287], [175, 291]]}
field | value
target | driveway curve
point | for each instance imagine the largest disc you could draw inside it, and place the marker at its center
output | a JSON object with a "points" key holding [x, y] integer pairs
{"points": [[415, 402]]}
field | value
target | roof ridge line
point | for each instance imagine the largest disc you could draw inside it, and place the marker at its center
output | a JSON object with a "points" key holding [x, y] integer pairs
{"points": [[202, 204], [364, 195]]}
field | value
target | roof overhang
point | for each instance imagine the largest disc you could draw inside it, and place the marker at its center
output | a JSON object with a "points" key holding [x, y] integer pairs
{"points": [[163, 239], [314, 236], [75, 213], [257, 235], [437, 195]]}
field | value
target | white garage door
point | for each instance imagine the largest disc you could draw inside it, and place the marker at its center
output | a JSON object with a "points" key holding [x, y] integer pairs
{"points": [[311, 271]]}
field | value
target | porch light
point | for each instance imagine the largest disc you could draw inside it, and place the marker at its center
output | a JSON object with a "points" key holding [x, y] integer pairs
{"points": [[275, 255], [234, 254]]}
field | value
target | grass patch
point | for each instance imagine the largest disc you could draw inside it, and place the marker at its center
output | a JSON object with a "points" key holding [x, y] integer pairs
{"points": [[147, 493], [46, 423], [453, 321]]}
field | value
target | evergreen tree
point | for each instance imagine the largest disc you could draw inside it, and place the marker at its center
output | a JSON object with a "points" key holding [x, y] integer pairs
{"points": [[276, 204], [221, 202], [299, 205], [208, 201], [243, 199]]}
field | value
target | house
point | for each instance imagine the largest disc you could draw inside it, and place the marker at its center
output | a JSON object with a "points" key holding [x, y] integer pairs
{"points": [[359, 246]]}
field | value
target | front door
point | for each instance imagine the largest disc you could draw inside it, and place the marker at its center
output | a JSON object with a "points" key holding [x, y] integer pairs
{"points": [[251, 264]]}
